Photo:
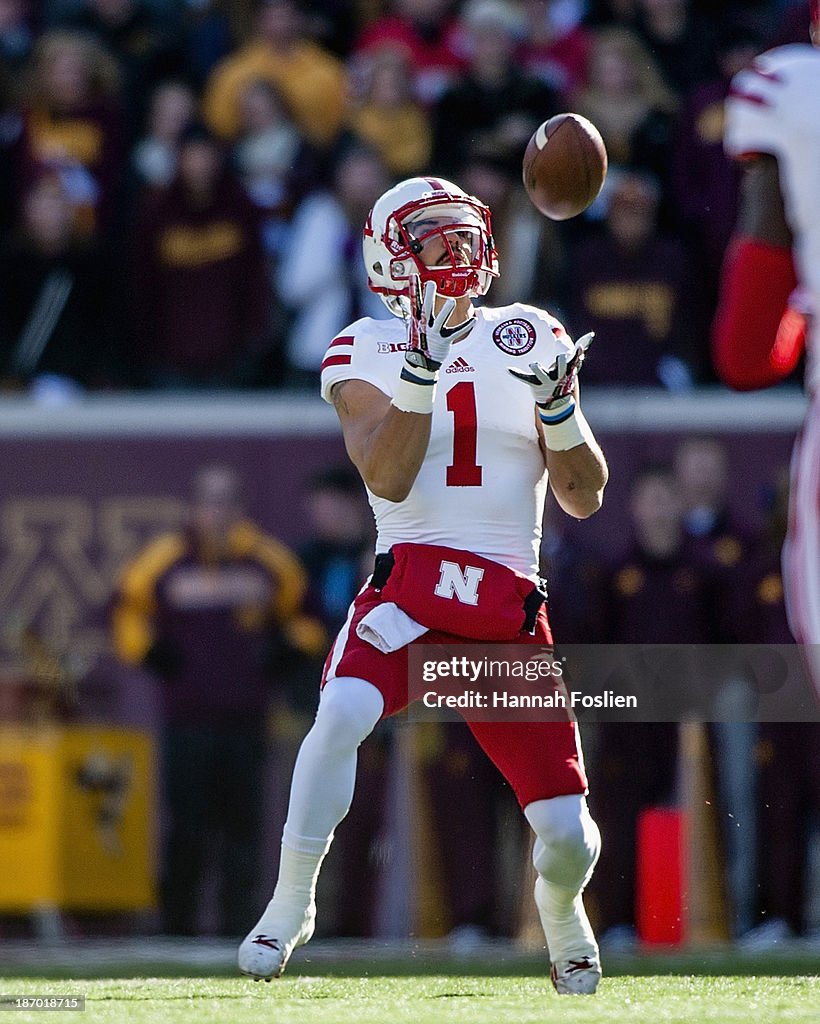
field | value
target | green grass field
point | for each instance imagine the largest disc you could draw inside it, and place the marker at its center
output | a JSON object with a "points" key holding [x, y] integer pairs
{"points": [[437, 999], [381, 993]]}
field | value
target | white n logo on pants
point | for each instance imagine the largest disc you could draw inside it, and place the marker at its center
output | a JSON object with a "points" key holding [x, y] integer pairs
{"points": [[462, 585]]}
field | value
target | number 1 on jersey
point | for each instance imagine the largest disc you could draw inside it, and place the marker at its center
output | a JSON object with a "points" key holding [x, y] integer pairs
{"points": [[463, 472]]}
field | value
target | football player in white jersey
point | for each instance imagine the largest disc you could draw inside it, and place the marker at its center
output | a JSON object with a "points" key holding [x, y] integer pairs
{"points": [[770, 287], [456, 416]]}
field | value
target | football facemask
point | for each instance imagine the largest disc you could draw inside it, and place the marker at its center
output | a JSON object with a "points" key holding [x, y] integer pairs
{"points": [[438, 234]]}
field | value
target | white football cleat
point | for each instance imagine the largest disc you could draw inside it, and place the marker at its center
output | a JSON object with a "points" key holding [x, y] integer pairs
{"points": [[577, 977], [266, 950]]}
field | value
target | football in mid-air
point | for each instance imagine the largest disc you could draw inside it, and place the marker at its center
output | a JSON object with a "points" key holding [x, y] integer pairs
{"points": [[564, 166]]}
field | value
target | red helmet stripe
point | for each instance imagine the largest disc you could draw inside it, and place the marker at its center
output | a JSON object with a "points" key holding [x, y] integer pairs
{"points": [[815, 11], [435, 183]]}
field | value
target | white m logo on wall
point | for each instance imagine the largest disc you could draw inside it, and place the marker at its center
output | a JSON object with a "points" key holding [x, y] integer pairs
{"points": [[463, 585]]}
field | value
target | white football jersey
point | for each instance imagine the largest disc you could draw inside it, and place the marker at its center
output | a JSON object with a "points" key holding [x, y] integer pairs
{"points": [[774, 107], [483, 482]]}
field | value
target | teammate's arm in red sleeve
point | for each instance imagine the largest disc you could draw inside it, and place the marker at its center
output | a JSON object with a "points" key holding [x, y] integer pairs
{"points": [[757, 339]]}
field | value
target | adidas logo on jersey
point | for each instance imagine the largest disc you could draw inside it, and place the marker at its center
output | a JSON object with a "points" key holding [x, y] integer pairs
{"points": [[460, 365]]}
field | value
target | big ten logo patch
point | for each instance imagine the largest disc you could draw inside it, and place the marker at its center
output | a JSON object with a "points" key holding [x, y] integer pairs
{"points": [[458, 583], [59, 559], [515, 337]]}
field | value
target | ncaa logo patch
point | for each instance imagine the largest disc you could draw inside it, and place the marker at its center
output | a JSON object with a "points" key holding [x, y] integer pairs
{"points": [[515, 337]]}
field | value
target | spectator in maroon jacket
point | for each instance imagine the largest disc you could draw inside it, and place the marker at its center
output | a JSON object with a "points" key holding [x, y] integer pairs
{"points": [[658, 592], [72, 123], [655, 594], [703, 470], [202, 297], [211, 610], [142, 46], [573, 573], [636, 289], [338, 558]]}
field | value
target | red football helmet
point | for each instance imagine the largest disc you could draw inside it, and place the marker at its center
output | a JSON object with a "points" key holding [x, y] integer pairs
{"points": [[411, 216]]}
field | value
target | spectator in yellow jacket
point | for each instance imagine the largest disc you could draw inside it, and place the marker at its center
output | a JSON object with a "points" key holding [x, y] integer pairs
{"points": [[212, 611], [311, 79], [386, 116]]}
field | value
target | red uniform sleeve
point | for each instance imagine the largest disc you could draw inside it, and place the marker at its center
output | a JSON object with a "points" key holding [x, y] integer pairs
{"points": [[757, 340]]}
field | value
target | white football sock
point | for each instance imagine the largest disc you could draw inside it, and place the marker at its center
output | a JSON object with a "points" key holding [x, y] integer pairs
{"points": [[299, 863], [566, 849]]}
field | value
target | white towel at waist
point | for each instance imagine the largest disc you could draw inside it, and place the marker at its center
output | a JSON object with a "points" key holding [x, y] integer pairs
{"points": [[388, 628]]}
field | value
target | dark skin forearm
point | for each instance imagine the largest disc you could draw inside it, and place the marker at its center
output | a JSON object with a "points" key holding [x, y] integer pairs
{"points": [[762, 215], [387, 446]]}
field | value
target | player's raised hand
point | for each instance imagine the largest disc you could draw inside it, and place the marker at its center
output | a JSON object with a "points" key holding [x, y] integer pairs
{"points": [[553, 386], [427, 330]]}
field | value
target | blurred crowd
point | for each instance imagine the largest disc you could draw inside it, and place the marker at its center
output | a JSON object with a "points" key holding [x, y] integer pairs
{"points": [[183, 183]]}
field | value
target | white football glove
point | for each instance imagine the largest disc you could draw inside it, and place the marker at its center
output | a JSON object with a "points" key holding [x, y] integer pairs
{"points": [[427, 330], [553, 386]]}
